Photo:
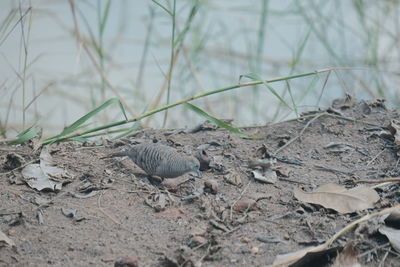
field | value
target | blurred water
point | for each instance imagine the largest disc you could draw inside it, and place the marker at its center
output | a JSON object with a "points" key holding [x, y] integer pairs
{"points": [[222, 44]]}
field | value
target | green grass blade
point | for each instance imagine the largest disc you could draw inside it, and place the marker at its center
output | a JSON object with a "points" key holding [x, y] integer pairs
{"points": [[255, 77], [216, 121], [77, 124], [187, 26], [163, 7], [79, 139], [26, 135]]}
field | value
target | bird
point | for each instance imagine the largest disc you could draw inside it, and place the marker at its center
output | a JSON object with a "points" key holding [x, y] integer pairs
{"points": [[160, 160]]}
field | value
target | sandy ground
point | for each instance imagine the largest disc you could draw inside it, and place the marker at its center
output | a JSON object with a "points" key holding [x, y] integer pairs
{"points": [[120, 213]]}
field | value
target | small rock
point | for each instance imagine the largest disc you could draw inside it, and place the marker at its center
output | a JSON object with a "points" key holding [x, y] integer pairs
{"points": [[126, 262], [196, 241], [172, 185], [254, 250], [245, 240], [246, 205], [233, 178], [199, 229], [211, 186]]}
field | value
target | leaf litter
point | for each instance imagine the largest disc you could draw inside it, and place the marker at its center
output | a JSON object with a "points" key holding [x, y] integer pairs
{"points": [[45, 175], [232, 220], [336, 197]]}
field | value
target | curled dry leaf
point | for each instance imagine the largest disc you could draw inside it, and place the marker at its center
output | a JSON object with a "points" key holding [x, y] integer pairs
{"points": [[393, 235], [309, 256], [264, 163], [393, 220], [334, 196], [268, 176], [246, 205], [38, 176], [394, 129]]}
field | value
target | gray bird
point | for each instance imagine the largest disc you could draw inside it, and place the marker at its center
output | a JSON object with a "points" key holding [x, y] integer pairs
{"points": [[160, 160]]}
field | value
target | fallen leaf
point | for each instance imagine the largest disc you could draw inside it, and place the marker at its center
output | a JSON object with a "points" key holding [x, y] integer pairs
{"points": [[268, 176], [393, 235], [38, 176], [5, 239], [295, 258], [334, 196], [394, 129], [37, 179], [308, 256], [264, 163], [48, 166], [393, 220]]}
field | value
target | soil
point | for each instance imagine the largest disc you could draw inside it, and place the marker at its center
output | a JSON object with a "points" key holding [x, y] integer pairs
{"points": [[120, 212]]}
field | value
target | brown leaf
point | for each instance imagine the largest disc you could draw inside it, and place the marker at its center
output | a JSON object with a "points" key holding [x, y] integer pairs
{"points": [[308, 254], [334, 196], [393, 235]]}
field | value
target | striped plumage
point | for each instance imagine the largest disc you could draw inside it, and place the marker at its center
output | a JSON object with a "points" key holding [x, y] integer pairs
{"points": [[160, 160]]}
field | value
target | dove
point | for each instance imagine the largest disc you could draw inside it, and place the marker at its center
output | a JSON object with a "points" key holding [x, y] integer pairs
{"points": [[160, 160]]}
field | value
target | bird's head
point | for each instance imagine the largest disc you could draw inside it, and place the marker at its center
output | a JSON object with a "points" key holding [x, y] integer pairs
{"points": [[193, 165]]}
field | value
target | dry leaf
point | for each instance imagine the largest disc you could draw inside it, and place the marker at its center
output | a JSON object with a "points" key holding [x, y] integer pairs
{"points": [[393, 235], [334, 196], [395, 131], [268, 176], [38, 176], [292, 257]]}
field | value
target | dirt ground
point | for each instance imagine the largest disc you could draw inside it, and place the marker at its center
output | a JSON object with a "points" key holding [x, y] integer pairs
{"points": [[120, 213]]}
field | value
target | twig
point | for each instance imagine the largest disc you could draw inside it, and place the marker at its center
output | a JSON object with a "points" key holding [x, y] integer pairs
{"points": [[204, 256], [374, 158], [240, 196], [291, 181], [20, 167], [301, 133], [337, 235], [103, 211], [373, 249], [381, 185], [382, 263], [369, 181], [323, 168]]}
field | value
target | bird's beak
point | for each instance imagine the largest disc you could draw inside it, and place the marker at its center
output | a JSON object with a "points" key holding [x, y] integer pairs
{"points": [[198, 173]]}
